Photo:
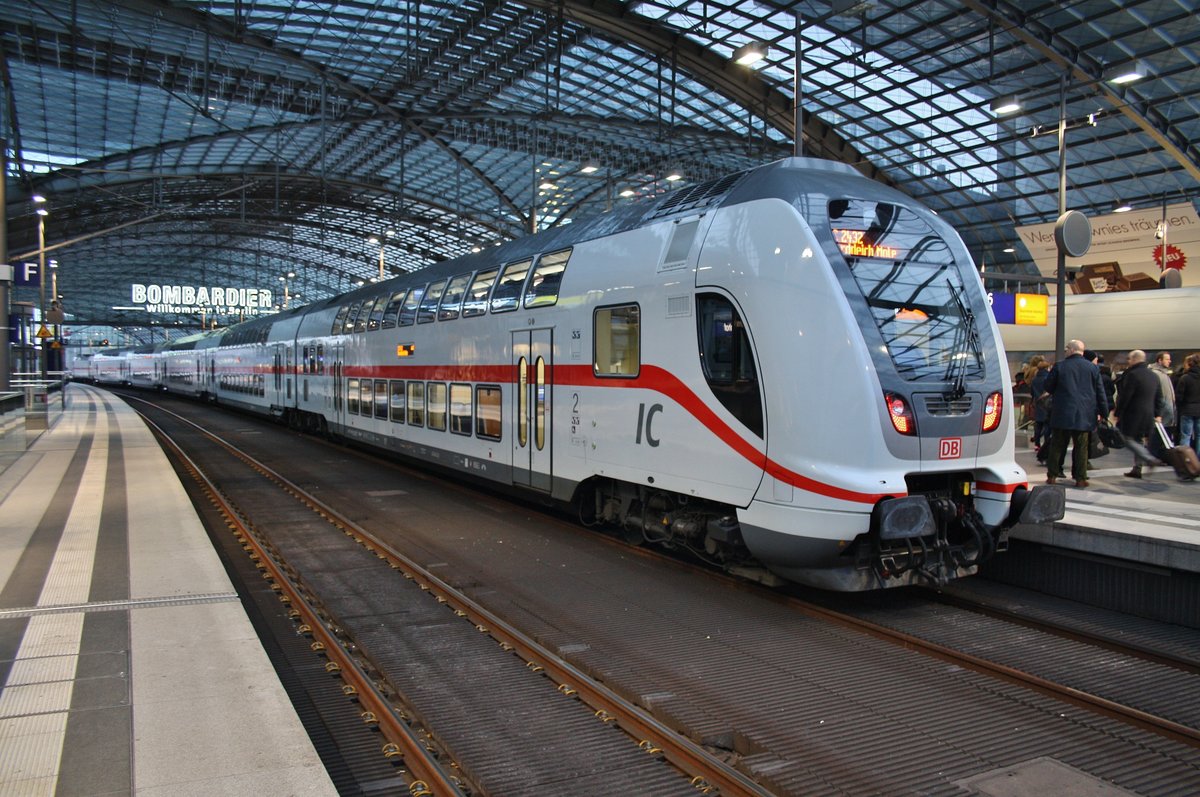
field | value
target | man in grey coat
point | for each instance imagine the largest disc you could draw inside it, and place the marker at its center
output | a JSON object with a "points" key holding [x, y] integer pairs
{"points": [[1078, 403]]}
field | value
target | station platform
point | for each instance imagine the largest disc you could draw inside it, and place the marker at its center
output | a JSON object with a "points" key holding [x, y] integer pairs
{"points": [[1153, 521], [127, 661]]}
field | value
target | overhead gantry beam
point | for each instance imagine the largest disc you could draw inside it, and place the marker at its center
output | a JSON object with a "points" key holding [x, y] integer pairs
{"points": [[745, 87], [1056, 49]]}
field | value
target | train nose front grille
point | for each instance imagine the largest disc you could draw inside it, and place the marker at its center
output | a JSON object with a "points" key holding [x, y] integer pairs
{"points": [[939, 406]]}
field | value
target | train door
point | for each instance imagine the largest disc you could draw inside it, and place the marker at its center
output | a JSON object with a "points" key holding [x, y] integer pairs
{"points": [[277, 371], [532, 356], [337, 382]]}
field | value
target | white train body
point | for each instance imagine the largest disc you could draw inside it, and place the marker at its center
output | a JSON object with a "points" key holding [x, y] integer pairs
{"points": [[793, 366]]}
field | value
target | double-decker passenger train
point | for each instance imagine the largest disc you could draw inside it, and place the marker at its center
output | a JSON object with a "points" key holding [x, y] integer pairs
{"points": [[792, 367]]}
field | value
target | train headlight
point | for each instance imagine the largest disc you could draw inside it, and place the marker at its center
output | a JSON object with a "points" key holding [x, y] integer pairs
{"points": [[991, 412], [899, 413]]}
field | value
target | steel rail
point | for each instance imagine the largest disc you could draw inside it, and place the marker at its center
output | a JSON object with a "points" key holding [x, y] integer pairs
{"points": [[1176, 732], [428, 776], [707, 772], [1143, 652]]}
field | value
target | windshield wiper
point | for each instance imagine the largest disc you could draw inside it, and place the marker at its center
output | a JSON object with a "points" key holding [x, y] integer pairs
{"points": [[967, 333]]}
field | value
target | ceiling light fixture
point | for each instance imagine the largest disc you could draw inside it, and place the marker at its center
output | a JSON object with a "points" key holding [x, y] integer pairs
{"points": [[1126, 73], [547, 186], [589, 167], [1124, 207], [749, 54], [674, 174], [1008, 104], [627, 192]]}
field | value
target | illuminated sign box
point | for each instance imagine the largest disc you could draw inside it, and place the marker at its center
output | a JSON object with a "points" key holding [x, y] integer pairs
{"points": [[1032, 309], [1029, 309]]}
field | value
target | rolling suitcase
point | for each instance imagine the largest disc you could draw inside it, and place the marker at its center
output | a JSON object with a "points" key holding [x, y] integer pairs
{"points": [[1182, 458]]}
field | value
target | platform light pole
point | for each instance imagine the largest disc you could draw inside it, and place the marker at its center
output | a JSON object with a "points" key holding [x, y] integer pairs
{"points": [[43, 353], [6, 269]]}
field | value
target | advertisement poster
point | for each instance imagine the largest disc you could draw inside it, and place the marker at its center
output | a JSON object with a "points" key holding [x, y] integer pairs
{"points": [[1132, 240]]}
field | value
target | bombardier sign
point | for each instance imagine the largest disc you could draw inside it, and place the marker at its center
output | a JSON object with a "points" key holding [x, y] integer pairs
{"points": [[194, 299]]}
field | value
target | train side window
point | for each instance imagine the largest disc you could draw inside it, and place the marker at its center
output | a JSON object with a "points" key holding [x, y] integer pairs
{"points": [[398, 401], [381, 399], [352, 396], [617, 341], [392, 310], [460, 409], [452, 300], [476, 300], [339, 321], [320, 358], [304, 360], [408, 310], [367, 405], [351, 316], [727, 358], [416, 403], [543, 285], [435, 406], [364, 311], [487, 412], [376, 316], [507, 292], [429, 305]]}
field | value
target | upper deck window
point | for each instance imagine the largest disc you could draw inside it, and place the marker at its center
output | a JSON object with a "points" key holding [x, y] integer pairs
{"points": [[476, 300], [508, 290], [408, 311], [543, 285], [915, 290], [452, 300], [429, 305]]}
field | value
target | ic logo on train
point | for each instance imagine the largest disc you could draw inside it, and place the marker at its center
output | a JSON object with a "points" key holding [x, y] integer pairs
{"points": [[950, 448]]}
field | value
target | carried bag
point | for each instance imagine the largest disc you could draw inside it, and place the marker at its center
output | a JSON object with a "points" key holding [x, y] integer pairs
{"points": [[1111, 435], [1096, 447], [1182, 458]]}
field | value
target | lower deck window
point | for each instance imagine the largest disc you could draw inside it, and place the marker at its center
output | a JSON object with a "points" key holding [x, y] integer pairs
{"points": [[381, 398], [487, 412], [368, 400], [352, 388], [435, 406], [398, 401], [416, 403], [460, 409]]}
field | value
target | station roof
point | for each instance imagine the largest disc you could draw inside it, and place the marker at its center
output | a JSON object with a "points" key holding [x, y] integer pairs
{"points": [[234, 143]]}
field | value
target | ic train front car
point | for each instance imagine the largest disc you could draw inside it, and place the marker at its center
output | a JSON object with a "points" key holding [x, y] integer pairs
{"points": [[792, 367]]}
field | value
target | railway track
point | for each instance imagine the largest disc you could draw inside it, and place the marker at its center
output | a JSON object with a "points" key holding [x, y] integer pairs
{"points": [[698, 770], [651, 645]]}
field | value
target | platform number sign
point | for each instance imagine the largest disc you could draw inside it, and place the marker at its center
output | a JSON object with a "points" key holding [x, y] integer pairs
{"points": [[950, 448]]}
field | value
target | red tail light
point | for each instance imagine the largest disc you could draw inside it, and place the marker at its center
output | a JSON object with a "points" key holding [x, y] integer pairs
{"points": [[900, 415], [991, 412]]}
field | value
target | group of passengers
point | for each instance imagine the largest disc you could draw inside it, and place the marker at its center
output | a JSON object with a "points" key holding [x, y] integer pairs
{"points": [[1074, 400]]}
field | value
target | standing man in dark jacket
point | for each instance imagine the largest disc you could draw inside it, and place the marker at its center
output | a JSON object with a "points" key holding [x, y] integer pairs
{"points": [[1139, 404], [1079, 402], [1187, 403]]}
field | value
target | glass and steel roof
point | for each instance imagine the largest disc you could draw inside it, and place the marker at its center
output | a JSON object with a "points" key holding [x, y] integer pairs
{"points": [[231, 143]]}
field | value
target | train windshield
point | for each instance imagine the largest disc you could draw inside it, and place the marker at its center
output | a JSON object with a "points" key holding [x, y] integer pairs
{"points": [[913, 287]]}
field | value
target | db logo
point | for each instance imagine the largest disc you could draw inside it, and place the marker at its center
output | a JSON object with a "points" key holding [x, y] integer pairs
{"points": [[950, 448]]}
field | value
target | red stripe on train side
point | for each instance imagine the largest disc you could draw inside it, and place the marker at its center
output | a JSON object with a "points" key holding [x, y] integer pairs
{"points": [[1007, 489], [651, 377]]}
